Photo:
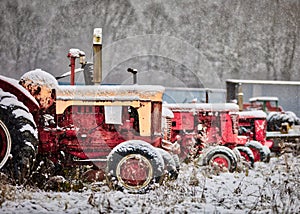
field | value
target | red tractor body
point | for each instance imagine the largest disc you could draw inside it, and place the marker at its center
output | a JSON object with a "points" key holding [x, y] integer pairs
{"points": [[218, 123], [89, 121], [114, 128], [253, 125], [91, 125]]}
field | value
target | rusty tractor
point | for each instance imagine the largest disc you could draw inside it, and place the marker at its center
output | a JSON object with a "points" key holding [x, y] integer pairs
{"points": [[282, 126], [198, 125], [253, 125], [113, 129]]}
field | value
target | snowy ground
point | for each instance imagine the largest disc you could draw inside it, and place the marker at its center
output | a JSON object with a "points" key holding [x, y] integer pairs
{"points": [[269, 188]]}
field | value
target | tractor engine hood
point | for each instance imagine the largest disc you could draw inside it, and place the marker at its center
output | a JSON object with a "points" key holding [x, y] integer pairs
{"points": [[41, 86]]}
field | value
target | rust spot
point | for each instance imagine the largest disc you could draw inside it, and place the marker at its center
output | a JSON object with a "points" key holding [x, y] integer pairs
{"points": [[37, 91]]}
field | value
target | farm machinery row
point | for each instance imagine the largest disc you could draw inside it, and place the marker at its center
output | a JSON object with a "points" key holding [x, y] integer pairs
{"points": [[123, 133], [283, 126], [46, 128], [210, 132]]}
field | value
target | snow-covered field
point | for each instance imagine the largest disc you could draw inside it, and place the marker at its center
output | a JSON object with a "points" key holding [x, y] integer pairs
{"points": [[269, 188]]}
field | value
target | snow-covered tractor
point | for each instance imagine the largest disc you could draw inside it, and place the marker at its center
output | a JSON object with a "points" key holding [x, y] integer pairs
{"points": [[198, 125], [253, 125], [282, 126], [116, 129]]}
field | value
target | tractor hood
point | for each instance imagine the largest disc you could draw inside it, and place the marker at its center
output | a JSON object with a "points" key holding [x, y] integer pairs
{"points": [[118, 92]]}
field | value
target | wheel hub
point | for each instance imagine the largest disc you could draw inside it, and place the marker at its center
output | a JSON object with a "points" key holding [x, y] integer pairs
{"points": [[134, 171], [221, 161]]}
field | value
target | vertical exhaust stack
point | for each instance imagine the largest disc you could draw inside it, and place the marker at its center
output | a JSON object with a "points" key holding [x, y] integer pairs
{"points": [[97, 55], [240, 97], [134, 73]]}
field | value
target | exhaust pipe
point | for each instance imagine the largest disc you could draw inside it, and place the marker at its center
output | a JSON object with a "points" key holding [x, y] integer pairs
{"points": [[73, 54], [97, 55], [240, 97], [134, 72]]}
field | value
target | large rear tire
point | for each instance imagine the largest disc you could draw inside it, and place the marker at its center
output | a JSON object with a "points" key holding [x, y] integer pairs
{"points": [[18, 138], [134, 166]]}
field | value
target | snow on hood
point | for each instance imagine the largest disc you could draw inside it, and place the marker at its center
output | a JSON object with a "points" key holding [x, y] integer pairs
{"points": [[254, 114], [41, 86], [76, 52], [202, 106], [253, 99], [135, 92], [40, 77], [167, 112]]}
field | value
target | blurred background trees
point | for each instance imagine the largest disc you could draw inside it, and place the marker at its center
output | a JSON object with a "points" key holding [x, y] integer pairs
{"points": [[190, 40]]}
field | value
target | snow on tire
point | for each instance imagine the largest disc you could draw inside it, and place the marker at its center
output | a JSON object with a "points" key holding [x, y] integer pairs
{"points": [[177, 161], [170, 164], [267, 152], [247, 153], [260, 152], [222, 156], [19, 139], [134, 166]]}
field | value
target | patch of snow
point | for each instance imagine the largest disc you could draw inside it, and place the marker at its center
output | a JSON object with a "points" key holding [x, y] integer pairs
{"points": [[21, 113], [29, 128], [30, 145], [12, 101], [253, 99], [136, 92], [74, 52], [268, 188], [202, 107], [167, 113], [41, 77], [254, 114]]}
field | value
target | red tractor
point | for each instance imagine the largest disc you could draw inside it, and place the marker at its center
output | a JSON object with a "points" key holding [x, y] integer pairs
{"points": [[253, 125], [113, 128], [196, 125]]}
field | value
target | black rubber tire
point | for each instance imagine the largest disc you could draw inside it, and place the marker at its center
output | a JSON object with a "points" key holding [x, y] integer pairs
{"points": [[263, 151], [170, 164], [244, 150], [177, 161], [223, 152], [22, 132], [267, 152], [134, 149]]}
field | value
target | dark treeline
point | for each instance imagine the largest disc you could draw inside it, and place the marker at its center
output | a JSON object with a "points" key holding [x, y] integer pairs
{"points": [[189, 42]]}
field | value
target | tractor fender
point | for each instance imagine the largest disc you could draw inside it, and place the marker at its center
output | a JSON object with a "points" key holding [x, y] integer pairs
{"points": [[12, 86]]}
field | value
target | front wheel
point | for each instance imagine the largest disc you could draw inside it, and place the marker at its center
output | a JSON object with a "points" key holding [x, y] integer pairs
{"points": [[220, 156], [170, 164], [260, 152], [134, 166], [246, 153]]}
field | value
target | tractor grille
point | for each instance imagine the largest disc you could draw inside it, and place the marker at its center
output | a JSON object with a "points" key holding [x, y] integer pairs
{"points": [[168, 129]]}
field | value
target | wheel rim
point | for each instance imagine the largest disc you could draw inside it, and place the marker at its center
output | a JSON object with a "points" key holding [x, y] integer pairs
{"points": [[5, 144], [134, 172], [256, 154], [221, 161], [245, 155]]}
